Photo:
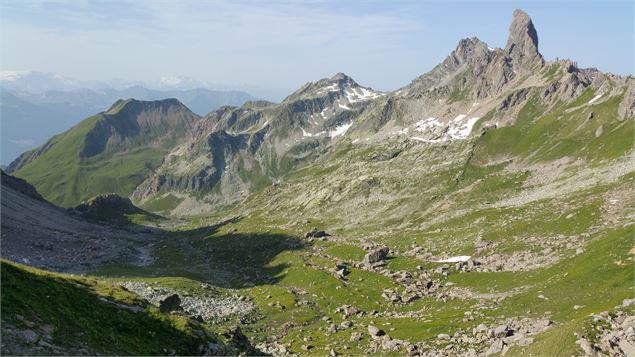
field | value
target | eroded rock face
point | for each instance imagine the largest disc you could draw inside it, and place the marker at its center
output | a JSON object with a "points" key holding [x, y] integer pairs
{"points": [[627, 106], [522, 43]]}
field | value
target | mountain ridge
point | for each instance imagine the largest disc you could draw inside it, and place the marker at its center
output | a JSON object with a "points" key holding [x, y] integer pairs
{"points": [[233, 151], [486, 208]]}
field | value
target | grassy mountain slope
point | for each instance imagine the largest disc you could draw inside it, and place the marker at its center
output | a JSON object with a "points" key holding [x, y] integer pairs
{"points": [[110, 152], [87, 316]]}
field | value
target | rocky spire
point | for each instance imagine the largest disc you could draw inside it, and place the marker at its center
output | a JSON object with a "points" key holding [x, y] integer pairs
{"points": [[522, 44]]}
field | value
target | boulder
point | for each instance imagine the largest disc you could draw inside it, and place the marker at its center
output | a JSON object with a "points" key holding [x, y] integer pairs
{"points": [[170, 303], [214, 349], [340, 270], [315, 233], [599, 131], [502, 331], [495, 347], [340, 274], [627, 347], [481, 328], [373, 331], [356, 336], [376, 257], [29, 336], [587, 347], [628, 302], [443, 336]]}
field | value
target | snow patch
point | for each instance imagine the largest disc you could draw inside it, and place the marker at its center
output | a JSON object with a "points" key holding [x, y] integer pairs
{"points": [[427, 140], [460, 258], [340, 130], [595, 98], [323, 113], [332, 88], [403, 131], [464, 130], [344, 107], [459, 118], [360, 94], [458, 128], [306, 134], [426, 124], [6, 75]]}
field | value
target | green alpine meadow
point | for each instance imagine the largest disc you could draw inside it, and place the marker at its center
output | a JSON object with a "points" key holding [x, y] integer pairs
{"points": [[486, 208]]}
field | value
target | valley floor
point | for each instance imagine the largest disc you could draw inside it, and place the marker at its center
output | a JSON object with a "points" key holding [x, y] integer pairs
{"points": [[551, 275]]}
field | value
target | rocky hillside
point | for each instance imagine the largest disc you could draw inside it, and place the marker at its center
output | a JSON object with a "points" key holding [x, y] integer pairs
{"points": [[112, 151], [40, 234], [236, 151]]}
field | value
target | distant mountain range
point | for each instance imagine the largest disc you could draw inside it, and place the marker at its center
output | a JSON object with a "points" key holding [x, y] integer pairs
{"points": [[31, 117]]}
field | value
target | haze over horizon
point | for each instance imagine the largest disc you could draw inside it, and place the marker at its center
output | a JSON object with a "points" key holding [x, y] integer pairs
{"points": [[283, 45]]}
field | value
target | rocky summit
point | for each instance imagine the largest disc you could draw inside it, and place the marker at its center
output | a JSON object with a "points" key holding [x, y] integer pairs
{"points": [[486, 208]]}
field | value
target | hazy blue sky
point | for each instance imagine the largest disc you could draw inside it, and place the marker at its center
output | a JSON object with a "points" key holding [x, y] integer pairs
{"points": [[283, 44]]}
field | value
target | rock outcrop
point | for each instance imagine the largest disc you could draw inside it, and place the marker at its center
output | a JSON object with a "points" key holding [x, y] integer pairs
{"points": [[522, 43]]}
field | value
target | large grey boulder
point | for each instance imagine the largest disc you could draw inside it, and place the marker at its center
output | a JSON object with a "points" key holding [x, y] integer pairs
{"points": [[374, 331], [170, 303], [315, 233], [376, 257]]}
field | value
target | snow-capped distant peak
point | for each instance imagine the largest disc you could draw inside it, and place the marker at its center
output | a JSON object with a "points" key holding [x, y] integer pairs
{"points": [[170, 81], [347, 86], [181, 83], [7, 75]]}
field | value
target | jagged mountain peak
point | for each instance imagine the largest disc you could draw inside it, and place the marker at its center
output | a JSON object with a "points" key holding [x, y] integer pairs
{"points": [[522, 43], [468, 50], [343, 79], [338, 85]]}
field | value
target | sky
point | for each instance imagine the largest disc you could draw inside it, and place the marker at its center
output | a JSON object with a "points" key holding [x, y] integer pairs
{"points": [[284, 44]]}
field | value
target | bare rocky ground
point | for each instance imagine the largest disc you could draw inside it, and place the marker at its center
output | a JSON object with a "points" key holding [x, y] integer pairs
{"points": [[206, 306], [611, 333], [37, 233]]}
